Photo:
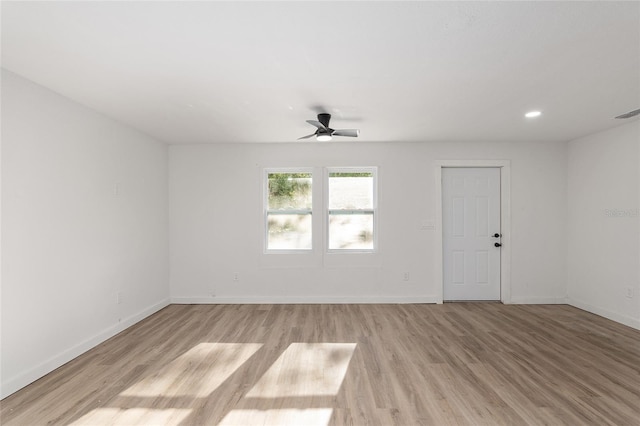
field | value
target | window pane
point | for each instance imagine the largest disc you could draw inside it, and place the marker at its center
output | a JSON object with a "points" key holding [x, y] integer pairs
{"points": [[289, 231], [350, 190], [289, 191], [351, 231]]}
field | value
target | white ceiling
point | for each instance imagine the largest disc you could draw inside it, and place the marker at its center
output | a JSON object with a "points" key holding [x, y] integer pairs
{"points": [[210, 72]]}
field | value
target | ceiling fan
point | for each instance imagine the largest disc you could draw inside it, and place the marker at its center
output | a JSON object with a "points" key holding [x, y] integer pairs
{"points": [[324, 133]]}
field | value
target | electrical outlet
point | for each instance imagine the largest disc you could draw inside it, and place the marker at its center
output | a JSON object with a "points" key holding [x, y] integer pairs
{"points": [[119, 297], [428, 225], [629, 292], [405, 276], [236, 276]]}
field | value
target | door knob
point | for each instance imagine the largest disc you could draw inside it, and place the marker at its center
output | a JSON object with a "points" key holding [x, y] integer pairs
{"points": [[496, 235], [498, 245]]}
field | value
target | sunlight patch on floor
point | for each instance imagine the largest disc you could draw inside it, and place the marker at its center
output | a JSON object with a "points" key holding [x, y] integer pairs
{"points": [[305, 369], [289, 416], [197, 372], [133, 416], [303, 372]]}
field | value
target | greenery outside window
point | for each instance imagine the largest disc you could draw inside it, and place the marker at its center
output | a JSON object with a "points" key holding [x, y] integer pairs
{"points": [[288, 212]]}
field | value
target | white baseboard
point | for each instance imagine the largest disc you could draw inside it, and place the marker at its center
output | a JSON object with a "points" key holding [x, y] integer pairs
{"points": [[613, 316], [283, 300], [21, 380], [539, 301]]}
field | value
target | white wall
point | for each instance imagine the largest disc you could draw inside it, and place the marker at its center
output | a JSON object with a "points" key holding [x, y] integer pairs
{"points": [[604, 223], [69, 242], [216, 223]]}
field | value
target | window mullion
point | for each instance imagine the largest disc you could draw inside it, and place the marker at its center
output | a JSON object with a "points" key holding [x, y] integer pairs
{"points": [[350, 211], [285, 212]]}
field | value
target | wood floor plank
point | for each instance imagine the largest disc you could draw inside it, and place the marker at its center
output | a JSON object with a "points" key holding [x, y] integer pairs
{"points": [[451, 364]]}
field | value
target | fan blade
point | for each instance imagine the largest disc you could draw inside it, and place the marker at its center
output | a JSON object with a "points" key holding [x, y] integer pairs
{"points": [[307, 137], [318, 124], [346, 132]]}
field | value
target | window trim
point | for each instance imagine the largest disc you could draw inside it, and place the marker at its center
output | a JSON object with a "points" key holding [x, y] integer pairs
{"points": [[327, 212], [266, 211]]}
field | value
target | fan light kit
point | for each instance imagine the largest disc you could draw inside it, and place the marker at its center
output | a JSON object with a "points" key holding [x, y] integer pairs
{"points": [[324, 133]]}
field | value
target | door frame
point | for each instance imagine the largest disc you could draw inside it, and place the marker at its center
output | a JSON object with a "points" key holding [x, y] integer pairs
{"points": [[505, 222]]}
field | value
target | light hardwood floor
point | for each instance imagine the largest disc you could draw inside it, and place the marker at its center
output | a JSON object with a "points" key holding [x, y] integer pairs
{"points": [[466, 363]]}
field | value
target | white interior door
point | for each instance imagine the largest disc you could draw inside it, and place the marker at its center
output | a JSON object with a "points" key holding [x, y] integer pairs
{"points": [[470, 220]]}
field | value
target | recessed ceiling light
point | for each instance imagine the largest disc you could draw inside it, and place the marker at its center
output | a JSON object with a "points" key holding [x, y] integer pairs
{"points": [[532, 114]]}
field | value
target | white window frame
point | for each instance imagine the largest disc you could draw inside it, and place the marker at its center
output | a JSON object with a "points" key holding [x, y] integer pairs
{"points": [[373, 211], [266, 211]]}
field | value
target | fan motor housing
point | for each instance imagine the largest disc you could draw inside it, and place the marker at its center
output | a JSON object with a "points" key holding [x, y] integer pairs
{"points": [[324, 118]]}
